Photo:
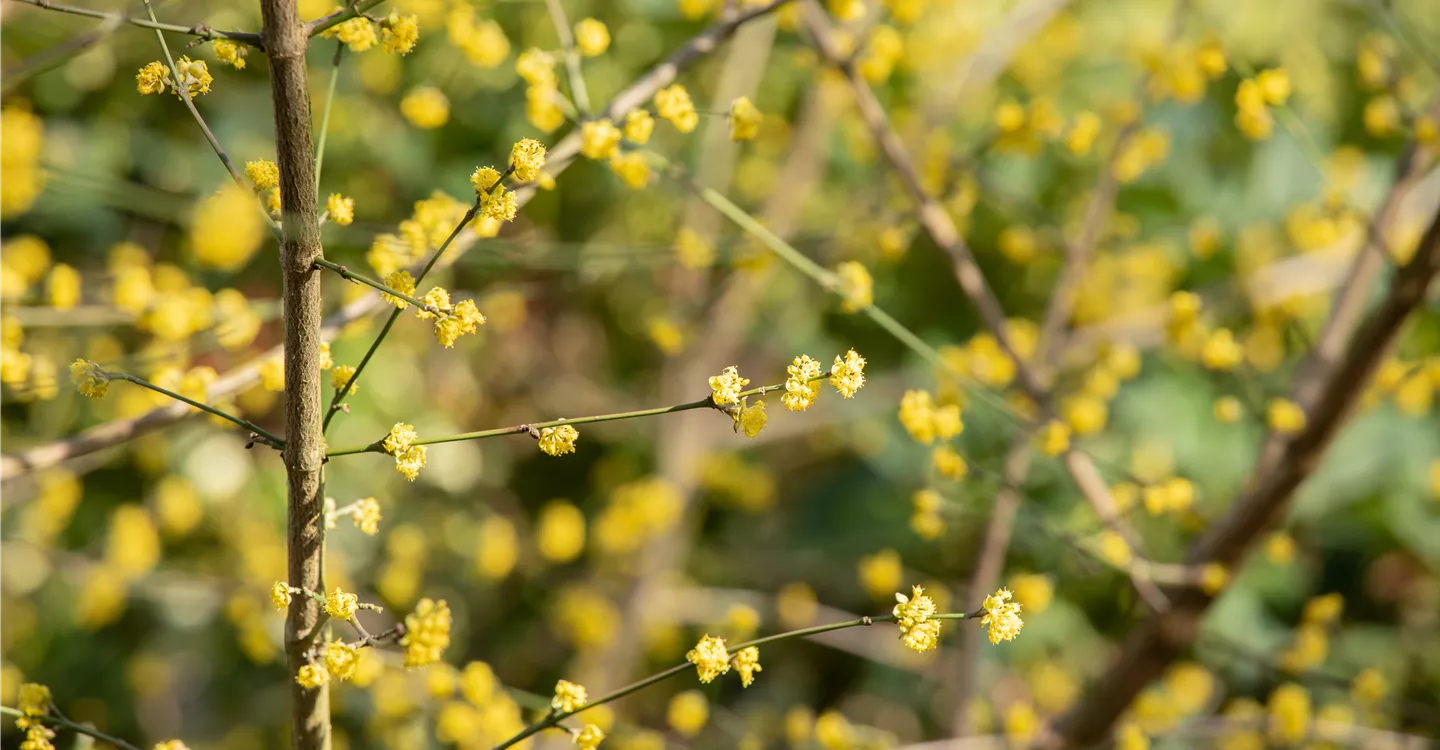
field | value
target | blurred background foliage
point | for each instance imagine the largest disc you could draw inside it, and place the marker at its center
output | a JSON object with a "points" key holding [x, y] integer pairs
{"points": [[134, 580]]}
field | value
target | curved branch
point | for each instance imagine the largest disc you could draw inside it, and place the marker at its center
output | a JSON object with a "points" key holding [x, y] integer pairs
{"points": [[198, 30]]}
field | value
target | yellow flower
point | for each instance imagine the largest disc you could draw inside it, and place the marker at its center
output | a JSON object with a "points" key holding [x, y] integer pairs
{"points": [[639, 125], [312, 676], [747, 663], [426, 107], [411, 461], [560, 532], [856, 288], [227, 51], [913, 614], [341, 659], [726, 386], [88, 378], [800, 388], [1221, 351], [751, 419], [537, 67], [527, 157], [589, 738], [599, 139], [744, 119], [427, 633], [1274, 86], [1002, 617], [194, 75], [340, 605], [152, 78], [949, 463], [399, 33], [674, 104], [1214, 578], [366, 516], [688, 712], [1324, 610], [1289, 713], [1054, 438], [399, 439], [34, 701], [632, 169], [280, 595], [401, 281], [340, 209], [341, 375], [848, 374], [357, 33], [560, 440], [1285, 416], [168, 745], [917, 415], [568, 696], [591, 37], [847, 10], [263, 173], [496, 202], [709, 657]]}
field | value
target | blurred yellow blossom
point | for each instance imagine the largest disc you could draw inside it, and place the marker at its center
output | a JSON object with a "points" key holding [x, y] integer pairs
{"points": [[425, 107], [744, 120], [591, 37], [568, 696], [427, 633], [856, 288], [847, 375], [688, 712]]}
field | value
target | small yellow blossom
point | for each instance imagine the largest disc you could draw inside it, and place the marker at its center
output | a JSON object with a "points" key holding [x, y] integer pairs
{"points": [[801, 388], [709, 657], [599, 139], [88, 378], [726, 386], [34, 701], [1324, 610], [917, 415], [340, 209], [153, 78], [948, 463], [263, 173], [426, 107], [1222, 352], [747, 663], [639, 125], [568, 696], [591, 37], [589, 738], [744, 119], [848, 374], [366, 516], [674, 104], [913, 614], [341, 659], [427, 633], [410, 461], [856, 287], [1289, 713], [399, 33], [357, 33], [1002, 617], [527, 157], [751, 419], [1214, 578], [1115, 550], [341, 605], [312, 676], [341, 375], [227, 51], [1285, 416], [401, 281], [194, 75], [1274, 86], [557, 441], [496, 202], [399, 439], [280, 595], [1054, 438], [537, 67], [632, 168]]}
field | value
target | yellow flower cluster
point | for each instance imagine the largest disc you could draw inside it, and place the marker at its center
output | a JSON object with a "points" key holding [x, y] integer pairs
{"points": [[537, 67], [639, 125], [750, 419], [496, 201], [426, 107], [1149, 147], [674, 104], [312, 676], [925, 421], [366, 516], [22, 134], [848, 373], [726, 387], [1285, 416], [357, 33], [1180, 71], [1024, 129], [1253, 99], [801, 390], [856, 288], [590, 737], [591, 37], [747, 663], [637, 511], [402, 282], [559, 440], [527, 158], [34, 703], [227, 51], [88, 378], [599, 139], [427, 633], [398, 34], [1002, 617], [340, 209], [153, 78], [409, 459], [884, 50], [464, 318], [913, 614], [340, 605], [709, 657], [344, 380], [263, 173], [568, 696], [744, 119], [482, 42], [341, 659], [927, 521], [280, 595]]}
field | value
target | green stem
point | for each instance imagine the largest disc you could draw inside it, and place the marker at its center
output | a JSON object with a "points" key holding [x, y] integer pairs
{"points": [[349, 275], [260, 434], [325, 116], [68, 724], [199, 29], [555, 717], [703, 403], [572, 58], [320, 25]]}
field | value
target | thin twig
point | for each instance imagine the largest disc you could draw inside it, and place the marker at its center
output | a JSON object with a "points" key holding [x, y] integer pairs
{"points": [[348, 275], [354, 10], [198, 30], [325, 115], [75, 726], [260, 435]]}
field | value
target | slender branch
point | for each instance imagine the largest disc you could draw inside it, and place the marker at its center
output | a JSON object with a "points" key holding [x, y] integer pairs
{"points": [[531, 427], [348, 275], [198, 30], [258, 433], [555, 717], [572, 57], [325, 115], [321, 24], [1285, 462], [80, 728]]}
